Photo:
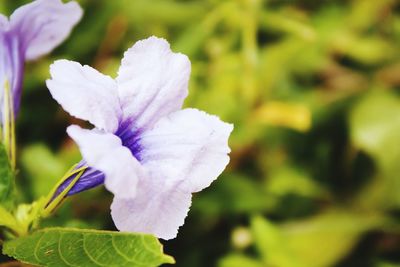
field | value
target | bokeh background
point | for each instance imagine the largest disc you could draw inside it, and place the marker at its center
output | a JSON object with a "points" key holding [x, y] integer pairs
{"points": [[313, 90]]}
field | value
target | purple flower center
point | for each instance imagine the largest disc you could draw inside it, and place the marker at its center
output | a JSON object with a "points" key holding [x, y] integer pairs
{"points": [[92, 177], [130, 138]]}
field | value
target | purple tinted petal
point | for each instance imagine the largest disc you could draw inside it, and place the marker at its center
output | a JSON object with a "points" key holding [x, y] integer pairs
{"points": [[11, 67], [183, 153], [105, 152], [44, 24], [130, 137], [33, 30], [90, 179]]}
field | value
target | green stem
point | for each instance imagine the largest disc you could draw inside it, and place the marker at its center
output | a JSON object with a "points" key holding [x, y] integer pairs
{"points": [[27, 217], [249, 47], [8, 130]]}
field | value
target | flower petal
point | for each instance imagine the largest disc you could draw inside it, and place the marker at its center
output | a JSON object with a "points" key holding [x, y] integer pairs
{"points": [[11, 68], [44, 24], [183, 153], [153, 211], [152, 81], [85, 93], [188, 147], [3, 23], [104, 152]]}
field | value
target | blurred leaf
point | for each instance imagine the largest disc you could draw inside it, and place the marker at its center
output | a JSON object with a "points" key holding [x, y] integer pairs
{"points": [[6, 180], [375, 124], [290, 180], [332, 234], [223, 197], [44, 167], [387, 264], [365, 14], [287, 23], [171, 12], [271, 244], [276, 60], [73, 247], [368, 50], [238, 260], [294, 116], [194, 36], [316, 242]]}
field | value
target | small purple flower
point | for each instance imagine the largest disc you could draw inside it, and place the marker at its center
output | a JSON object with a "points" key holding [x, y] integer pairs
{"points": [[33, 30], [153, 154]]}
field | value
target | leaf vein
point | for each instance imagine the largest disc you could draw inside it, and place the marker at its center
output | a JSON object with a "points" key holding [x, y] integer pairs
{"points": [[119, 252], [60, 250], [36, 248], [88, 254]]}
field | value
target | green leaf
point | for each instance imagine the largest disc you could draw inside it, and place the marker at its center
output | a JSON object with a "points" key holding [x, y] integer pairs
{"points": [[238, 260], [78, 247], [43, 166], [223, 199], [387, 264], [375, 124], [6, 179], [271, 244], [301, 243], [289, 179]]}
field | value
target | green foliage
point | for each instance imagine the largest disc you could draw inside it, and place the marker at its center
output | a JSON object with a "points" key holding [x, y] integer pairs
{"points": [[225, 200], [238, 260], [7, 219], [375, 124], [73, 247], [298, 244], [6, 180], [46, 167]]}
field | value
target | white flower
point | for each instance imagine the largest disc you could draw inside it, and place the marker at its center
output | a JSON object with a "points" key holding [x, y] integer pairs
{"points": [[153, 154]]}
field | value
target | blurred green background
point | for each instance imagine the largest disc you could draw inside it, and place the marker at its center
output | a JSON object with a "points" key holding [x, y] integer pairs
{"points": [[313, 90]]}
